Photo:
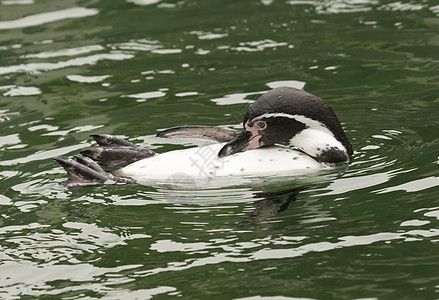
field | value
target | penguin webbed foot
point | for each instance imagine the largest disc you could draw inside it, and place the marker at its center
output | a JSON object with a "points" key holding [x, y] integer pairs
{"points": [[111, 141], [85, 172], [116, 152], [112, 151]]}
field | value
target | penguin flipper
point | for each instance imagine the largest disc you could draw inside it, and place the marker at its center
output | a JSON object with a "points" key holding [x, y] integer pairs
{"points": [[212, 133]]}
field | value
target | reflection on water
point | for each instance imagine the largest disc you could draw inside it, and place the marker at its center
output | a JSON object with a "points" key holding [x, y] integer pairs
{"points": [[14, 90], [133, 67], [86, 60], [47, 17]]}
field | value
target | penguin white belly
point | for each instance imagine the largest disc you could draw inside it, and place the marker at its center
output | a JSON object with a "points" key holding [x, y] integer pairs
{"points": [[202, 163]]}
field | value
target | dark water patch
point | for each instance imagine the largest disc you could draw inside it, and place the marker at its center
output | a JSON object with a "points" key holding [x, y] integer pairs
{"points": [[133, 67]]}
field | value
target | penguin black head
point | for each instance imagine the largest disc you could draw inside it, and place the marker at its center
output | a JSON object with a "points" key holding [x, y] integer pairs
{"points": [[293, 116]]}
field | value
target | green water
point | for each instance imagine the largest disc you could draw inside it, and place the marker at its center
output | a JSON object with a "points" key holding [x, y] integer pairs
{"points": [[69, 69]]}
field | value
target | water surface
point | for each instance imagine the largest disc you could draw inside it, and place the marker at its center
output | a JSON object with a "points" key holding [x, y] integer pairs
{"points": [[73, 68]]}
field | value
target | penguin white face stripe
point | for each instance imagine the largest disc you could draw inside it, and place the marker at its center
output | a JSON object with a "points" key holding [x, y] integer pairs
{"points": [[310, 123], [314, 140]]}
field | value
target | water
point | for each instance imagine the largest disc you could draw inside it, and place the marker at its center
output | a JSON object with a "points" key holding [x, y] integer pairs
{"points": [[73, 68]]}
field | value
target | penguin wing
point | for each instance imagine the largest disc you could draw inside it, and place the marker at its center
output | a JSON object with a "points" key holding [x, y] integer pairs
{"points": [[212, 133]]}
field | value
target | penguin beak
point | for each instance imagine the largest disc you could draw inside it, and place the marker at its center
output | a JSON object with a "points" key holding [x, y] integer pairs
{"points": [[246, 140]]}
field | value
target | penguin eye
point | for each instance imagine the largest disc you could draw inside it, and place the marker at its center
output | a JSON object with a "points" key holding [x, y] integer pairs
{"points": [[261, 125]]}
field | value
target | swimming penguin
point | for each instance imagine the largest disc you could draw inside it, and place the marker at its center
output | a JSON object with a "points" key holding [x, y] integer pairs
{"points": [[286, 132]]}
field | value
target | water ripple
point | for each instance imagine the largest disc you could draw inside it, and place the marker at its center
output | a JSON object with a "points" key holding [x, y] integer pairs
{"points": [[138, 45], [237, 253], [17, 2], [65, 52], [143, 2], [48, 17], [202, 35], [79, 61], [87, 79], [357, 234], [412, 186], [15, 90], [261, 45]]}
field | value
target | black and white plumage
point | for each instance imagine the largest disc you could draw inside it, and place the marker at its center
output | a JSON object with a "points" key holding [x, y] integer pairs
{"points": [[289, 115], [286, 132]]}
